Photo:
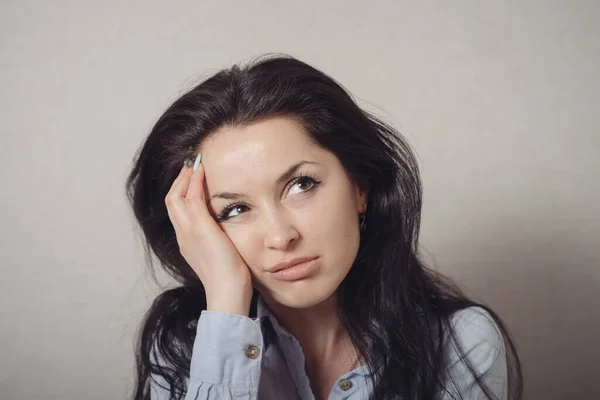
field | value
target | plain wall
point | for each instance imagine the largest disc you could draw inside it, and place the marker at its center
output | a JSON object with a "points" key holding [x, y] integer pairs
{"points": [[500, 100]]}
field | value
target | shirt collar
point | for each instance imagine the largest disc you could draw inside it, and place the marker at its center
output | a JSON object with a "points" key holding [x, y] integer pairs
{"points": [[263, 313], [274, 330]]}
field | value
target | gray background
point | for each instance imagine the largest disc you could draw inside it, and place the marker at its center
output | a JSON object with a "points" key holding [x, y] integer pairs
{"points": [[500, 100]]}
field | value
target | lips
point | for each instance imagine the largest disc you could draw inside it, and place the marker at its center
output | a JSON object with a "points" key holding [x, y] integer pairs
{"points": [[290, 263]]}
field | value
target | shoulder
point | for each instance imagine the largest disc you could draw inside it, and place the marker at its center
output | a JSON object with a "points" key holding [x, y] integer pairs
{"points": [[477, 338], [475, 323]]}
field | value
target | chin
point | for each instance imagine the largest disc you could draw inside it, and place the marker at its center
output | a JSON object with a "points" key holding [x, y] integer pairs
{"points": [[301, 297]]}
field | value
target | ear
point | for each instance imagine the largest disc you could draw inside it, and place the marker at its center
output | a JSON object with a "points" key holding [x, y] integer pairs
{"points": [[362, 193]]}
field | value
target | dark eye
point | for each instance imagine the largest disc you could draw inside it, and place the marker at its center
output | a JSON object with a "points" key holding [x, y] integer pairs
{"points": [[304, 184], [230, 211]]}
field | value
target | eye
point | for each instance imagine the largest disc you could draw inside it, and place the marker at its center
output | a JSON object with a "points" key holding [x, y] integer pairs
{"points": [[301, 184], [304, 183], [231, 210]]}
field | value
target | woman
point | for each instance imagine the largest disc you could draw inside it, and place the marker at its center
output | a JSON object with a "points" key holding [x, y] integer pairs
{"points": [[291, 217]]}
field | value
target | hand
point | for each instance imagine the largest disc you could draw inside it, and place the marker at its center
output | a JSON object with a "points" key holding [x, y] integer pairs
{"points": [[207, 249]]}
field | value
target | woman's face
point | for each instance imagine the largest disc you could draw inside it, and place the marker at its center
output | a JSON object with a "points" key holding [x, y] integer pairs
{"points": [[310, 212]]}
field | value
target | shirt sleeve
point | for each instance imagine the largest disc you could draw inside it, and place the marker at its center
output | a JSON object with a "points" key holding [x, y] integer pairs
{"points": [[226, 360], [483, 345]]}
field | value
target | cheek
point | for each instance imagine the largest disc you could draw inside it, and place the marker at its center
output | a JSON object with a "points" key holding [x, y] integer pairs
{"points": [[333, 224], [246, 242]]}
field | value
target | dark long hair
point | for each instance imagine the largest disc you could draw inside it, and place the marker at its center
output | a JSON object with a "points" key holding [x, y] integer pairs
{"points": [[395, 309]]}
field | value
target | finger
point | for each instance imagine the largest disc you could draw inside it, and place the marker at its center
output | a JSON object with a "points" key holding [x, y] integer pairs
{"points": [[181, 182], [175, 202], [195, 197]]}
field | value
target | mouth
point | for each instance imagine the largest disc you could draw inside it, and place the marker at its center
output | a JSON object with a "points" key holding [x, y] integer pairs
{"points": [[288, 264], [297, 271]]}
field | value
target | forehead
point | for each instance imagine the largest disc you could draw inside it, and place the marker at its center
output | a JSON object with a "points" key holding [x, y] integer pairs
{"points": [[263, 149], [239, 158]]}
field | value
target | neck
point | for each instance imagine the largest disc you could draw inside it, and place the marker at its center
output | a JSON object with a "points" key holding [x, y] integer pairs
{"points": [[319, 331]]}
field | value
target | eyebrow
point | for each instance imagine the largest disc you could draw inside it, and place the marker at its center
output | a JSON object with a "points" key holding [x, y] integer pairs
{"points": [[283, 178]]}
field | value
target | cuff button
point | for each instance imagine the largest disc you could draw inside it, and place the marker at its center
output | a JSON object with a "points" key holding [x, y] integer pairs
{"points": [[252, 351], [345, 384]]}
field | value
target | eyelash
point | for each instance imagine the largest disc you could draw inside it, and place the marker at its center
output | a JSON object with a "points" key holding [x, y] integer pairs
{"points": [[300, 178]]}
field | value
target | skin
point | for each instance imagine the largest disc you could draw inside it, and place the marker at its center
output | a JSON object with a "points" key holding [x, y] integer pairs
{"points": [[278, 222]]}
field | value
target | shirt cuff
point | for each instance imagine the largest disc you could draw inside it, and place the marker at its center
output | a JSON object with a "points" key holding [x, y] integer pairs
{"points": [[228, 350]]}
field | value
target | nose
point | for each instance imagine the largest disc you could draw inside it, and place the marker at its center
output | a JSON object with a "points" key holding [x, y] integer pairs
{"points": [[280, 233]]}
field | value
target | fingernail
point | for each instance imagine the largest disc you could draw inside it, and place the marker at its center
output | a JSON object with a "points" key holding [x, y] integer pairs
{"points": [[188, 163], [197, 162]]}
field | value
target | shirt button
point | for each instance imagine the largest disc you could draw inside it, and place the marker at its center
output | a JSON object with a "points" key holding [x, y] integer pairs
{"points": [[345, 384], [252, 351]]}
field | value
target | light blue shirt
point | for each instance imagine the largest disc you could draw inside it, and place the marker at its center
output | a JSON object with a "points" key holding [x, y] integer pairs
{"points": [[236, 357]]}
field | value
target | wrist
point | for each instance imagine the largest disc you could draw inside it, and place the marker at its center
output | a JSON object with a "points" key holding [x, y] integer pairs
{"points": [[230, 301]]}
